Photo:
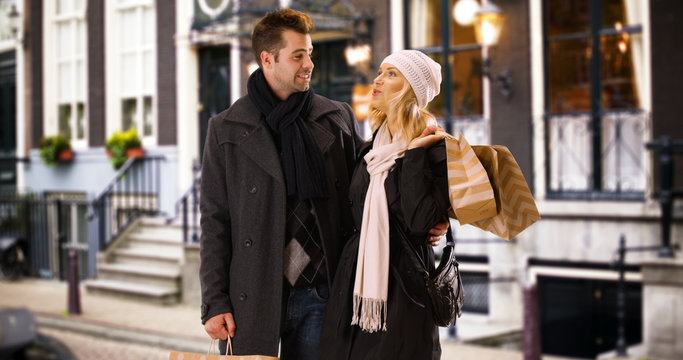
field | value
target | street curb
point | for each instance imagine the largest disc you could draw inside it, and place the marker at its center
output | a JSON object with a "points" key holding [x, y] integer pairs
{"points": [[120, 333]]}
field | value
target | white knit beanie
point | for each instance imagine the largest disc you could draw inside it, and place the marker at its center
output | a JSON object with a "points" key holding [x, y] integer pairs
{"points": [[423, 73]]}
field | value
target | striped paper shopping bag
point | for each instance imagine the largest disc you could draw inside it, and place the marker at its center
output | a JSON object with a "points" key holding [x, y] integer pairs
{"points": [[470, 191]]}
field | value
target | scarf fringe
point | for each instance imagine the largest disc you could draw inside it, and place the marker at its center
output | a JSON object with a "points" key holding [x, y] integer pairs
{"points": [[370, 314]]}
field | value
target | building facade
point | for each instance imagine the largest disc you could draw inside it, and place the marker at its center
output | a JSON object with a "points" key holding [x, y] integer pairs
{"points": [[576, 91]]}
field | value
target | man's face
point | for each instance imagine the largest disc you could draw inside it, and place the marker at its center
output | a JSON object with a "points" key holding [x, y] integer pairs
{"points": [[292, 71]]}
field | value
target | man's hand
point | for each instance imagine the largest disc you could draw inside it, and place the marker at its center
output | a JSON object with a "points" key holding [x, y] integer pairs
{"points": [[438, 231], [219, 326], [430, 135]]}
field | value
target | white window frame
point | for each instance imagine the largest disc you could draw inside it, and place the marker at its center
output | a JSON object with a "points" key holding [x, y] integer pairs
{"points": [[115, 72], [53, 96]]}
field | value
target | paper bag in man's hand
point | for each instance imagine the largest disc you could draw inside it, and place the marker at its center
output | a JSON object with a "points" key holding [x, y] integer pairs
{"points": [[469, 188], [516, 205], [178, 355]]}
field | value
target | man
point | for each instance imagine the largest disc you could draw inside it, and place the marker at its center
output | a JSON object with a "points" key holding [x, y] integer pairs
{"points": [[274, 205]]}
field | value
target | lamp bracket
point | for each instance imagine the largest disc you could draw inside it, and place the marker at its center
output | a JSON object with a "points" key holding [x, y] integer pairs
{"points": [[504, 79]]}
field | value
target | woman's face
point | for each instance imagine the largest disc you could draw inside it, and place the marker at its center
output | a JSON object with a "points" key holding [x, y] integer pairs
{"points": [[386, 86]]}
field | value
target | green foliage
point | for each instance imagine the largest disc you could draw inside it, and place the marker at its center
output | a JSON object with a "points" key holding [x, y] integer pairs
{"points": [[119, 142], [51, 146]]}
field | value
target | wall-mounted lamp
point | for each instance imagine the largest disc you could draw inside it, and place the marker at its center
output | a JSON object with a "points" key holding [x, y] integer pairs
{"points": [[14, 20], [488, 22], [358, 52]]}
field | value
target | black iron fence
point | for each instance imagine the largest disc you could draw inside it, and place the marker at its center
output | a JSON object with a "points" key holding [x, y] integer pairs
{"points": [[50, 224], [46, 226]]}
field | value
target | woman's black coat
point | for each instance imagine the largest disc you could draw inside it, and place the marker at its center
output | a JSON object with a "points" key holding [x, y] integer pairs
{"points": [[417, 194]]}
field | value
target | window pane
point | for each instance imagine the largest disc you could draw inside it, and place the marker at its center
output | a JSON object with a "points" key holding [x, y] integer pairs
{"points": [[148, 32], [80, 37], [65, 120], [149, 116], [130, 74], [130, 38], [148, 71], [623, 158], [65, 36], [620, 85], [80, 121], [63, 6], [569, 72], [624, 12], [466, 85], [65, 81], [568, 16], [129, 113], [80, 80], [424, 23], [570, 153]]}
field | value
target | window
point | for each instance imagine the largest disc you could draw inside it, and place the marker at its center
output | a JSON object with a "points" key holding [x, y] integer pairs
{"points": [[136, 61], [594, 85], [70, 70], [464, 62]]}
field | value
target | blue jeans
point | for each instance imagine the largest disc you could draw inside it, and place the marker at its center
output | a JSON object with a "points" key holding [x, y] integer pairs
{"points": [[304, 313]]}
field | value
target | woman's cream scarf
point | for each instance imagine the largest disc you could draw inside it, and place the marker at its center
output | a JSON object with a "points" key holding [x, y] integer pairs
{"points": [[372, 270]]}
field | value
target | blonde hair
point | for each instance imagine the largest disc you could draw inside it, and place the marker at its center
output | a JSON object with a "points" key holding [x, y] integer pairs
{"points": [[409, 118]]}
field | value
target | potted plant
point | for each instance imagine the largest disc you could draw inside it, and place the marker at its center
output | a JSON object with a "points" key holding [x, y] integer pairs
{"points": [[56, 149], [124, 145]]}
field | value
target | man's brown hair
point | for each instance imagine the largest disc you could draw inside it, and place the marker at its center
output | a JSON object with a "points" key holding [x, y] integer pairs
{"points": [[267, 34]]}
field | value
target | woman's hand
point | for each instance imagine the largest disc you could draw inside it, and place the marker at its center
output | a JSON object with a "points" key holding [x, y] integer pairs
{"points": [[430, 136]]}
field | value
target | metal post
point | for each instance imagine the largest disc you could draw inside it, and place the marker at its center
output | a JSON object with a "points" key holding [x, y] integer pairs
{"points": [[74, 293], [666, 196], [531, 333], [445, 51], [621, 314]]}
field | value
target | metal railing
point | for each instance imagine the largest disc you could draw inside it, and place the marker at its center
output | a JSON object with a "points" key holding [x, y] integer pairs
{"points": [[187, 207], [47, 226], [133, 192], [571, 158]]}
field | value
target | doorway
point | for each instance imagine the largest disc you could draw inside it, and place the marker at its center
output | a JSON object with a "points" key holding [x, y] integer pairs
{"points": [[214, 87]]}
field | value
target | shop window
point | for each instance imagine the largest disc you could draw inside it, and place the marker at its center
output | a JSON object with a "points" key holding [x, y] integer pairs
{"points": [[594, 84]]}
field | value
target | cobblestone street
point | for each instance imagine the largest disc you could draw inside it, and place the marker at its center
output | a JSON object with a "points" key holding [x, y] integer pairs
{"points": [[93, 348]]}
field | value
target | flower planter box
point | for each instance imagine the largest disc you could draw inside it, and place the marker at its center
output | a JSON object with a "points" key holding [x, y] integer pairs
{"points": [[65, 156]]}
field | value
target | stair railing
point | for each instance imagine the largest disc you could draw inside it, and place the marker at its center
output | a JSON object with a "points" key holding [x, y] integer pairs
{"points": [[132, 192], [187, 205]]}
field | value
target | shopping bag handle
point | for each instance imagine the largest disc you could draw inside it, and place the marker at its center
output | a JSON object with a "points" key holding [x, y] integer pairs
{"points": [[228, 350]]}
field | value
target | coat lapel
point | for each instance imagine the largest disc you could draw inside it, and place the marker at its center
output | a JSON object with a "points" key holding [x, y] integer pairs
{"points": [[252, 136]]}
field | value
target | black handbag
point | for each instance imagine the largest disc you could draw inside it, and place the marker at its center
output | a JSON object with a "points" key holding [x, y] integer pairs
{"points": [[444, 287], [443, 284]]}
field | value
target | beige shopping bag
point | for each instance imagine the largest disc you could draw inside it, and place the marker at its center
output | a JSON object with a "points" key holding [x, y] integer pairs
{"points": [[178, 355], [517, 208], [470, 191]]}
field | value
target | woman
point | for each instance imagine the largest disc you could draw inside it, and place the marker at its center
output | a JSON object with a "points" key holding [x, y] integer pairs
{"points": [[379, 307]]}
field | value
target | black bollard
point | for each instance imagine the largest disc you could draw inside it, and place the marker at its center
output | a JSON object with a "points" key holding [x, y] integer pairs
{"points": [[74, 293]]}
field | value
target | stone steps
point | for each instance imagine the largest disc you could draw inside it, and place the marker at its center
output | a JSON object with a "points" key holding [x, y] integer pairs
{"points": [[144, 265]]}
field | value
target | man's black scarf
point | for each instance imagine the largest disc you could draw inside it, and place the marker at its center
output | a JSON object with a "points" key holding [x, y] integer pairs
{"points": [[302, 160]]}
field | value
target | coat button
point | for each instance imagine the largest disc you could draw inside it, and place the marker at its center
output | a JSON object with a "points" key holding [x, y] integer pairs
{"points": [[248, 242], [350, 202], [245, 133], [243, 296], [253, 189]]}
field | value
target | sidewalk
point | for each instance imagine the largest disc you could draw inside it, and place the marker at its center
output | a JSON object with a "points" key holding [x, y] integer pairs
{"points": [[174, 327]]}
